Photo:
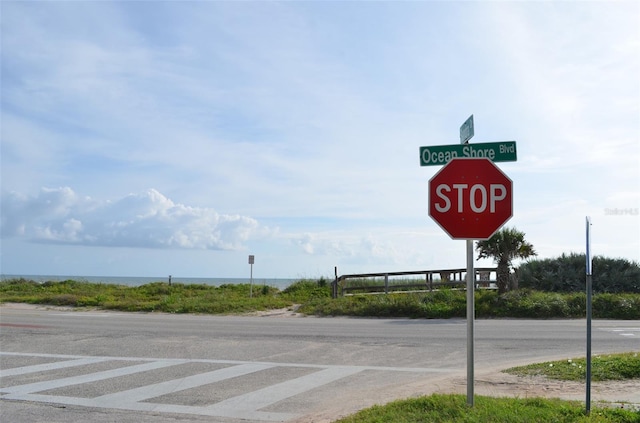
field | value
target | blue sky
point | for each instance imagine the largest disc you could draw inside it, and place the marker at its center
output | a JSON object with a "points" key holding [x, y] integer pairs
{"points": [[157, 138]]}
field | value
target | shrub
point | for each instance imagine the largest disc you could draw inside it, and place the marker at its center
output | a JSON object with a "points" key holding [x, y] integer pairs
{"points": [[567, 274], [64, 300], [306, 289], [618, 306]]}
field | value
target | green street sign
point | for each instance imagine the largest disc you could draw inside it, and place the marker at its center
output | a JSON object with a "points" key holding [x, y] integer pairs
{"points": [[466, 130], [436, 155]]}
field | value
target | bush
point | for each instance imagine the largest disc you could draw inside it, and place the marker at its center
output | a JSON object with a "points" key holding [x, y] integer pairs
{"points": [[64, 300], [306, 289], [567, 274], [524, 303], [618, 306]]}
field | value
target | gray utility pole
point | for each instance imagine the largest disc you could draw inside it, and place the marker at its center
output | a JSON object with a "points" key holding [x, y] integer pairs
{"points": [[589, 266]]}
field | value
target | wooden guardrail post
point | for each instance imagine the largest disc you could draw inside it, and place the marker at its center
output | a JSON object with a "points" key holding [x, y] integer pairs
{"points": [[334, 284]]}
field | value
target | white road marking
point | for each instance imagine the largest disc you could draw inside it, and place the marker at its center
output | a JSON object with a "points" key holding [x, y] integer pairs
{"points": [[248, 406], [265, 397], [151, 391], [16, 391], [623, 331], [50, 366], [231, 362]]}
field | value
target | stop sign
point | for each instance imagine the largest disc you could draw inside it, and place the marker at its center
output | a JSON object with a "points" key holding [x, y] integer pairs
{"points": [[470, 198]]}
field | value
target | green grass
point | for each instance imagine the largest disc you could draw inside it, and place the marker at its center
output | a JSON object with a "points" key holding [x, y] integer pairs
{"points": [[603, 367], [160, 296], [314, 297], [447, 303], [453, 409]]}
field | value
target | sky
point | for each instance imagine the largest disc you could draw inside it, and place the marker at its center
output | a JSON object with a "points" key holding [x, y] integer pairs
{"points": [[177, 138]]}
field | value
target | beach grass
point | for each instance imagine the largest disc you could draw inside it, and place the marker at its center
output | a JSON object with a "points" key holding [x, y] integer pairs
{"points": [[313, 297], [454, 409], [160, 296], [604, 367]]}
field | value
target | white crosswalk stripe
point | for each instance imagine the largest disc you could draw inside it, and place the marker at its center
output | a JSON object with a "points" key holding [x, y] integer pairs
{"points": [[252, 405], [50, 366], [15, 391]]}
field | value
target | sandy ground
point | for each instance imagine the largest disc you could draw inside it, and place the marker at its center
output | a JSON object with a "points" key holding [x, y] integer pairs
{"points": [[623, 393], [494, 383]]}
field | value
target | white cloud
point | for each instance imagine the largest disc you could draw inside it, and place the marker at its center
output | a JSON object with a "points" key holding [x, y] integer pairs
{"points": [[147, 220], [578, 92]]}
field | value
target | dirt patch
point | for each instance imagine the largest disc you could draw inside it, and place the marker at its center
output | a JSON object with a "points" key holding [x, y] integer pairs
{"points": [[280, 312], [502, 384], [26, 306], [494, 383]]}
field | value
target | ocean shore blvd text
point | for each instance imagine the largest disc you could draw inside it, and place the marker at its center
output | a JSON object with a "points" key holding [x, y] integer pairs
{"points": [[442, 154]]}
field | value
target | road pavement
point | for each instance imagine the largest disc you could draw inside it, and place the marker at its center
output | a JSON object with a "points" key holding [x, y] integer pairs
{"points": [[73, 366]]}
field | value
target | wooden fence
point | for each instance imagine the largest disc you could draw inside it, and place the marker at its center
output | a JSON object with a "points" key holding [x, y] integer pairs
{"points": [[484, 278]]}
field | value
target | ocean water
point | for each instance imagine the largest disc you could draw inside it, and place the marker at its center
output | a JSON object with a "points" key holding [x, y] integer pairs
{"points": [[137, 281]]}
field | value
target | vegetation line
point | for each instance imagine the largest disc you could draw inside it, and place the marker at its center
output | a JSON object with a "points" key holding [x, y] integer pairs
{"points": [[605, 367], [314, 299], [453, 409]]}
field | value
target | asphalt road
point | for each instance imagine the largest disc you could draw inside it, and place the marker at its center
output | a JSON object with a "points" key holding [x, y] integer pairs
{"points": [[73, 366]]}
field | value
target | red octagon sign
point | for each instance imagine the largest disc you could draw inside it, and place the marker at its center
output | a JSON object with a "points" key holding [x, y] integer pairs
{"points": [[470, 198]]}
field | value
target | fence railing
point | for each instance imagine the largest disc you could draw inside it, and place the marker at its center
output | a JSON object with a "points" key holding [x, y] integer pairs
{"points": [[484, 278]]}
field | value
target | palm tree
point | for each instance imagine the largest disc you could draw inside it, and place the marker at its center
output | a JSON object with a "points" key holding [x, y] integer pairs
{"points": [[504, 246]]}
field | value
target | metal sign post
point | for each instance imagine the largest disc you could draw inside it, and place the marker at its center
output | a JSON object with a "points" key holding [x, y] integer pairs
{"points": [[466, 133], [251, 261], [482, 203], [589, 264], [471, 313]]}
